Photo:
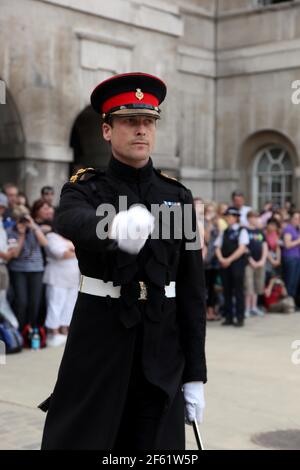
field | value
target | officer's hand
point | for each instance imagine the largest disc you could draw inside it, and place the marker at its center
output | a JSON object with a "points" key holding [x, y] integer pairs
{"points": [[194, 401], [131, 228]]}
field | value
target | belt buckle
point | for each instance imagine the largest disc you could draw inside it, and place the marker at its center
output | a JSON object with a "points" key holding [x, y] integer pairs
{"points": [[143, 291]]}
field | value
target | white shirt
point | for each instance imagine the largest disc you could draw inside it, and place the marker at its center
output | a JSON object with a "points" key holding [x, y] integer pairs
{"points": [[3, 241], [243, 237], [60, 272], [243, 215]]}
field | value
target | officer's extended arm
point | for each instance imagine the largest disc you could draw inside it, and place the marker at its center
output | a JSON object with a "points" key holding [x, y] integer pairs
{"points": [[77, 221]]}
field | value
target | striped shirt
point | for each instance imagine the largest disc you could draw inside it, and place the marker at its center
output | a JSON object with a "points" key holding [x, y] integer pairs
{"points": [[30, 258]]}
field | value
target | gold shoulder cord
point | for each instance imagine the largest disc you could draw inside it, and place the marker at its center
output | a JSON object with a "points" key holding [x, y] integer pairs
{"points": [[167, 176], [80, 173]]}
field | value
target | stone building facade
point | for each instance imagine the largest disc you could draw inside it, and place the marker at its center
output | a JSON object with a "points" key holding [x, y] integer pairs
{"points": [[228, 122]]}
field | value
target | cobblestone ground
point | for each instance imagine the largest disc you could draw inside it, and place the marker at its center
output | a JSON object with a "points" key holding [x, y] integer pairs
{"points": [[252, 394]]}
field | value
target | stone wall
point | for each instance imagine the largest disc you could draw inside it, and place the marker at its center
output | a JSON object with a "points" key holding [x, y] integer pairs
{"points": [[229, 83]]}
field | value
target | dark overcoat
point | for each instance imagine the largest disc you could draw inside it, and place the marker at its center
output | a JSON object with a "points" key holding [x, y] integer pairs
{"points": [[86, 406]]}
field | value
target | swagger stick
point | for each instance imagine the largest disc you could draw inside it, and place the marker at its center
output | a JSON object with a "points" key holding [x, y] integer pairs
{"points": [[197, 435]]}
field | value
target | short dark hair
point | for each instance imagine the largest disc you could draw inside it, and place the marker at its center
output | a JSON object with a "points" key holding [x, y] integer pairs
{"points": [[273, 221], [109, 120], [237, 192], [47, 189]]}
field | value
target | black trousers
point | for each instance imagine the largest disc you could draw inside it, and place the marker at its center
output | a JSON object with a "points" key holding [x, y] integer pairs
{"points": [[233, 287], [141, 417], [140, 428]]}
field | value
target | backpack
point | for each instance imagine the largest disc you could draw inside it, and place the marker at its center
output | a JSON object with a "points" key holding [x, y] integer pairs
{"points": [[10, 336]]}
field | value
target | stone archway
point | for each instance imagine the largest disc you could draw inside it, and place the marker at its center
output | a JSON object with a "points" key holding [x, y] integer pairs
{"points": [[89, 147], [12, 142], [248, 157]]}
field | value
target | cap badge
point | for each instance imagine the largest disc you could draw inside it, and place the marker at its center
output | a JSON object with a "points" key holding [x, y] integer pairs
{"points": [[139, 94]]}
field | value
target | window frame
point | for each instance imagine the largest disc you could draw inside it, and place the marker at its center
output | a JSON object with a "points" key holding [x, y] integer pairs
{"points": [[283, 195]]}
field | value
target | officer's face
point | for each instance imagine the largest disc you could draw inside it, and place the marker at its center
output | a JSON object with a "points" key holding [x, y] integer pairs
{"points": [[132, 138]]}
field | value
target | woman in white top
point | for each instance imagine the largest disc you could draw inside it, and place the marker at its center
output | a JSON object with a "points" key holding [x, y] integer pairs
{"points": [[61, 277]]}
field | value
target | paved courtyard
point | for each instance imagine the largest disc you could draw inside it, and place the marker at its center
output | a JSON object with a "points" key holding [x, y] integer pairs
{"points": [[252, 394]]}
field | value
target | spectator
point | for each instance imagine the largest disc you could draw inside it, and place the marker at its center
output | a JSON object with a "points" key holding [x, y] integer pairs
{"points": [[266, 213], [47, 195], [289, 206], [62, 280], [11, 191], [285, 215], [43, 213], [278, 216], [6, 254], [199, 209], [211, 232], [255, 269], [291, 255], [26, 270], [276, 297], [272, 235], [238, 201], [231, 247], [221, 209], [22, 200]]}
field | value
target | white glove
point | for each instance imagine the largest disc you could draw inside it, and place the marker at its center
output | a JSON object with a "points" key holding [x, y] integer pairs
{"points": [[194, 401], [131, 228]]}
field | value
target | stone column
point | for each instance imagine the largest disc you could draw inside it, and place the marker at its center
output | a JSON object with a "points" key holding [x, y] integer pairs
{"points": [[44, 165]]}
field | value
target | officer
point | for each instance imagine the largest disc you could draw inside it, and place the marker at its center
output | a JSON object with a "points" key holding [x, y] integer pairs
{"points": [[134, 362], [231, 249]]}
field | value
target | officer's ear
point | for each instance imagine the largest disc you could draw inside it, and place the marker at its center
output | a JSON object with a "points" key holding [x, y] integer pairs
{"points": [[106, 131]]}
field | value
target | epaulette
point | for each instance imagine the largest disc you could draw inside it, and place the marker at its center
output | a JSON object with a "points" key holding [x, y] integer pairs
{"points": [[80, 174], [170, 179]]}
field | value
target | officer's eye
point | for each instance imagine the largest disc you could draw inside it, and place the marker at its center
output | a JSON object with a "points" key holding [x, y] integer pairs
{"points": [[132, 121], [149, 122]]}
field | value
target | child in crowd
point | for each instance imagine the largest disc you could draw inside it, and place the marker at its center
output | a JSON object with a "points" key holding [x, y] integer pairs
{"points": [[276, 298], [255, 269], [272, 235]]}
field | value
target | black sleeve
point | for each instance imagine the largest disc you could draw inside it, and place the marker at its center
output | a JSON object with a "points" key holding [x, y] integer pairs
{"points": [[76, 218], [191, 309]]}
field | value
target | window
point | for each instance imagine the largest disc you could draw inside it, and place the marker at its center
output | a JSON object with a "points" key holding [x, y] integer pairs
{"points": [[273, 177]]}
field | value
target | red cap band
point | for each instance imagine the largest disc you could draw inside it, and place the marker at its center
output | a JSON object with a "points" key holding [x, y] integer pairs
{"points": [[128, 98]]}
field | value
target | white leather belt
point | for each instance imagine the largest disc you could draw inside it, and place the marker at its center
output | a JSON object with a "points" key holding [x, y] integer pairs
{"points": [[92, 286]]}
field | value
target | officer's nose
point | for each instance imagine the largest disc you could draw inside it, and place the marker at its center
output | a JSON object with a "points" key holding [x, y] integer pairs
{"points": [[141, 129]]}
